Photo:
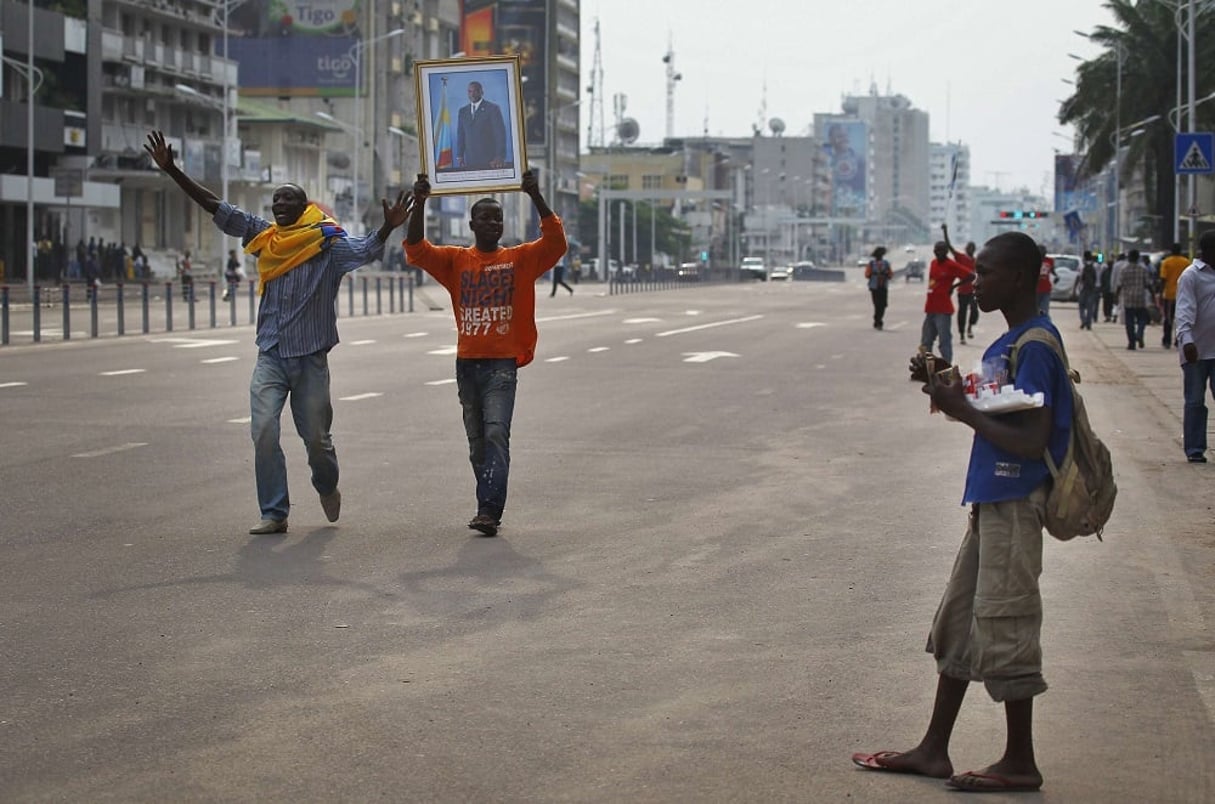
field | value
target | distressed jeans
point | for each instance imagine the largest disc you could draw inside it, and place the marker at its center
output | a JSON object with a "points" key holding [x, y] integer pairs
{"points": [[487, 395], [1198, 376], [306, 381]]}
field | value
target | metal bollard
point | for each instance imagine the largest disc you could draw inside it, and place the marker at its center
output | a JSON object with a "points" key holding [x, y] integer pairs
{"points": [[365, 299], [67, 312], [252, 303], [190, 305], [168, 306], [145, 296], [4, 315], [350, 288], [93, 331], [211, 289], [379, 302], [392, 294], [122, 323], [37, 314], [411, 293], [232, 305]]}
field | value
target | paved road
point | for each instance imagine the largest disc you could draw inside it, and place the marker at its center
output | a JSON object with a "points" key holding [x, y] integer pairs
{"points": [[731, 517]]}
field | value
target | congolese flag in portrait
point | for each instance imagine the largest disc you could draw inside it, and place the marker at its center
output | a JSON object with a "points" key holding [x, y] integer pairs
{"points": [[443, 140]]}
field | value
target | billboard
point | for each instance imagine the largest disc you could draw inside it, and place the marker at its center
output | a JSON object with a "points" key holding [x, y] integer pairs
{"points": [[509, 28], [1075, 195], [294, 47], [846, 144]]}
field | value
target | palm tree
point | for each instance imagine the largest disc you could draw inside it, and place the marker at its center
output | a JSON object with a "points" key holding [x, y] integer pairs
{"points": [[1146, 35]]}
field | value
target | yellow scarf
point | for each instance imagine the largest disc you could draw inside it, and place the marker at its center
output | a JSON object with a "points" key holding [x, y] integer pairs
{"points": [[281, 248]]}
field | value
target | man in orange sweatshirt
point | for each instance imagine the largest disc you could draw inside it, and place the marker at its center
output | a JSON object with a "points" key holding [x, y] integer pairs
{"points": [[493, 296]]}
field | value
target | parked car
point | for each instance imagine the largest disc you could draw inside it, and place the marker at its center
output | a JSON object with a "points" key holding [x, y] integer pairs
{"points": [[780, 272], [914, 270], [688, 272], [753, 268], [1067, 271]]}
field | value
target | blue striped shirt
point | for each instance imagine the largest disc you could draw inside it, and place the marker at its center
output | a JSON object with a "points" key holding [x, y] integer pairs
{"points": [[298, 311]]}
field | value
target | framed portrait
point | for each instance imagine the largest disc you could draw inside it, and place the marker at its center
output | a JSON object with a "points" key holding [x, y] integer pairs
{"points": [[470, 124]]}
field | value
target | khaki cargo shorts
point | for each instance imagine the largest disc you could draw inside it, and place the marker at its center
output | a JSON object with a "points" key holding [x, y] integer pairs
{"points": [[988, 626]]}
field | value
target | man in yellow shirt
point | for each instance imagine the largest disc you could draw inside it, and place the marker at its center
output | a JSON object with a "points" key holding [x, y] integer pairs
{"points": [[1170, 268]]}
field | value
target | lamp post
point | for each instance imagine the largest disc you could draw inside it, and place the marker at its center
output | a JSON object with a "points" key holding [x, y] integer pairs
{"points": [[355, 54], [30, 252]]}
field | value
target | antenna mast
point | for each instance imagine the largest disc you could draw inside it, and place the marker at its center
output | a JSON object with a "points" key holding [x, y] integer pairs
{"points": [[595, 133], [672, 77]]}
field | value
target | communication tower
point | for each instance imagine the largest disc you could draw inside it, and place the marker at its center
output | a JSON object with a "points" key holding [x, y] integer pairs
{"points": [[595, 126]]}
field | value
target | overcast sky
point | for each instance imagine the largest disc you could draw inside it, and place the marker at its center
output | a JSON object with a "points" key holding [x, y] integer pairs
{"points": [[988, 73]]}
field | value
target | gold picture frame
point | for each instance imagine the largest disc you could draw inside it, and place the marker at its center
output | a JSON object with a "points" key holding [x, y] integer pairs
{"points": [[463, 151]]}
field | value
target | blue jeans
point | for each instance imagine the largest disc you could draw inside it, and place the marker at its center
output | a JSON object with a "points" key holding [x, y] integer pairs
{"points": [[306, 380], [1198, 377], [937, 325], [487, 395], [1088, 308]]}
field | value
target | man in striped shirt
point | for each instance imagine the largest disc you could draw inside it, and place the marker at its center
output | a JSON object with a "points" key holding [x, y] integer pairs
{"points": [[302, 256], [1133, 285]]}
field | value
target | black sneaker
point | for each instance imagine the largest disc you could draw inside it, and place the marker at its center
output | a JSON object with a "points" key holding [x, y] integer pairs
{"points": [[1196, 458], [486, 524]]}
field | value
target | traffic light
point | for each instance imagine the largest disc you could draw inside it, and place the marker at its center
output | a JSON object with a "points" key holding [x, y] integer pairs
{"points": [[1018, 214]]}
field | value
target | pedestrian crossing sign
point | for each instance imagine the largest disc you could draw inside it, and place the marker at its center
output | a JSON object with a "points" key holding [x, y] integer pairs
{"points": [[1194, 153]]}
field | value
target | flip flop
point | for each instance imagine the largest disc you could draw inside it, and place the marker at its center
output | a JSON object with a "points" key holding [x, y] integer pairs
{"points": [[874, 761], [973, 782]]}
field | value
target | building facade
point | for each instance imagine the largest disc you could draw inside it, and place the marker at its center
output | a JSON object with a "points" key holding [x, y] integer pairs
{"points": [[949, 190]]}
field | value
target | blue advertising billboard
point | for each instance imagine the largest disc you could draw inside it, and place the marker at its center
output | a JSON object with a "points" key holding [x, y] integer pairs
{"points": [[294, 47], [846, 143]]}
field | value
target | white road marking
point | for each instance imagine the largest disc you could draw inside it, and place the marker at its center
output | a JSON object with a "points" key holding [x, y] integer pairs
{"points": [[810, 324], [575, 315], [441, 382], [641, 320], [12, 384], [837, 357], [123, 371], [359, 397], [363, 342], [705, 357], [219, 360], [244, 420], [820, 365], [443, 350], [110, 450], [691, 312], [556, 360], [193, 343], [634, 340], [415, 334], [599, 349], [708, 326]]}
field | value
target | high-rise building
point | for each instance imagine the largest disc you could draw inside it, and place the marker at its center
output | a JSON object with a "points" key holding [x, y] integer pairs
{"points": [[949, 191]]}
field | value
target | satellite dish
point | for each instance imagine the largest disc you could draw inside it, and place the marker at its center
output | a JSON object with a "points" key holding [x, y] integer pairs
{"points": [[777, 126], [628, 130]]}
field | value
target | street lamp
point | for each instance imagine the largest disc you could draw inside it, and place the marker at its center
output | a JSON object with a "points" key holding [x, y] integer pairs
{"points": [[355, 54]]}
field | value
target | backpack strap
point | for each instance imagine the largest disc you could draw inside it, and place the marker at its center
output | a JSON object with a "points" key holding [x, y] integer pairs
{"points": [[1044, 336]]}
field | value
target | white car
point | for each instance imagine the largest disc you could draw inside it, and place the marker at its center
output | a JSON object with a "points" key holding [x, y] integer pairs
{"points": [[780, 273], [1067, 271]]}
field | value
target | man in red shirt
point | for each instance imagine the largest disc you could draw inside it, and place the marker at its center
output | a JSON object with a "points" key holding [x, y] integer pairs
{"points": [[1046, 281], [938, 307], [493, 296], [968, 309]]}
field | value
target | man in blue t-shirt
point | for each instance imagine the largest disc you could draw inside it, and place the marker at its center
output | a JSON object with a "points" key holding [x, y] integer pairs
{"points": [[989, 621]]}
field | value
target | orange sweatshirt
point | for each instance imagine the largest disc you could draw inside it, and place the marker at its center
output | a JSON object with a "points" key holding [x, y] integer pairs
{"points": [[493, 293]]}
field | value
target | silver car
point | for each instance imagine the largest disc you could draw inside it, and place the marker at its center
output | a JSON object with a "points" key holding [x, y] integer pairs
{"points": [[1067, 271]]}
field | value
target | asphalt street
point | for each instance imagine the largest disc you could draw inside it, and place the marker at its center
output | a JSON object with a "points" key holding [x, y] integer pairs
{"points": [[731, 517]]}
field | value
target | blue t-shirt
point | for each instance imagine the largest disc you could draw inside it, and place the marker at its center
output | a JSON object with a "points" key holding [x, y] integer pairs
{"points": [[995, 475]]}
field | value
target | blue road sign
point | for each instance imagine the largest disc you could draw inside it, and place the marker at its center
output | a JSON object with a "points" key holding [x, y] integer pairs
{"points": [[1194, 153]]}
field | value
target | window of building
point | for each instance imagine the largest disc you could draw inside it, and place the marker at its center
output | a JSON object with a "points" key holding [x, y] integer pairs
{"points": [[651, 181], [618, 181]]}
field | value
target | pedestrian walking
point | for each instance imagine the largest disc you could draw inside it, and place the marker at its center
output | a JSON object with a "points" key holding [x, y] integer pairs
{"points": [[1133, 285], [1170, 271], [1046, 280], [878, 273], [302, 256], [1196, 342], [232, 274], [559, 278], [938, 306], [493, 295], [968, 309], [1088, 291], [988, 625]]}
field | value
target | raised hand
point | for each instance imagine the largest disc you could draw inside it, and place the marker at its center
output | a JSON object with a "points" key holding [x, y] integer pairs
{"points": [[160, 151], [421, 189], [530, 185], [398, 212]]}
